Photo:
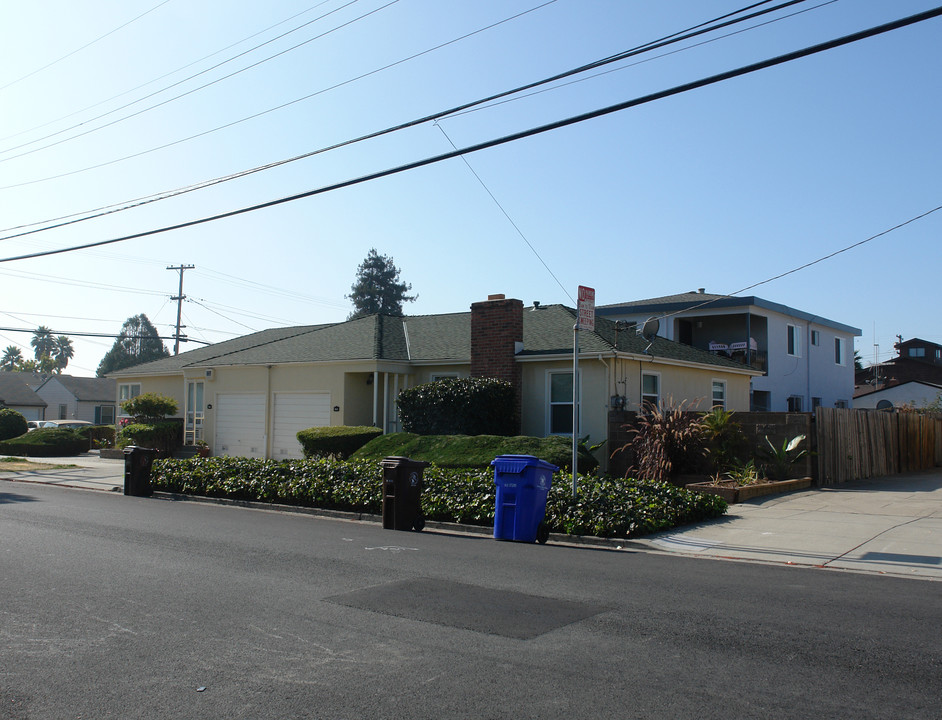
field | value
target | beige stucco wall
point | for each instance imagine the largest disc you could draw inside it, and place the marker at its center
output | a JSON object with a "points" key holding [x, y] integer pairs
{"points": [[692, 386]]}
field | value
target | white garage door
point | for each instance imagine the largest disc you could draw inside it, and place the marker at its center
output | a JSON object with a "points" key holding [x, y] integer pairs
{"points": [[240, 425], [294, 412]]}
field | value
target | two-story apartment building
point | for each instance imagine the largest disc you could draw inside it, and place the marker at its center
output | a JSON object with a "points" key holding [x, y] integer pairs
{"points": [[806, 360]]}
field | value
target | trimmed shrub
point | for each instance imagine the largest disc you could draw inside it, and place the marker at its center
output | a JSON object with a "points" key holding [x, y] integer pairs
{"points": [[465, 451], [340, 440], [459, 406], [97, 434], [163, 436], [46, 442], [149, 408], [12, 424], [605, 507]]}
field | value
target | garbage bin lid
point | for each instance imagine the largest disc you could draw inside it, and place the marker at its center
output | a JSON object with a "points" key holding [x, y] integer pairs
{"points": [[518, 463]]}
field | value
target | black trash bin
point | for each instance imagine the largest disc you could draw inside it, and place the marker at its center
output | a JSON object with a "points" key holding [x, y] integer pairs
{"points": [[402, 493], [137, 463]]}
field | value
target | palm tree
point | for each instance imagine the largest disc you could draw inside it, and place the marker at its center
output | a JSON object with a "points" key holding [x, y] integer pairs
{"points": [[63, 352], [43, 342], [12, 357]]}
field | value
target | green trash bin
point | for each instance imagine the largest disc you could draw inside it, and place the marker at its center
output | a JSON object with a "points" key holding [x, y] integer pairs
{"points": [[402, 493]]}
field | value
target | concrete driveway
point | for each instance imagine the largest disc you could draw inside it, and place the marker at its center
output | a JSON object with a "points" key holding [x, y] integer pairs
{"points": [[890, 525]]}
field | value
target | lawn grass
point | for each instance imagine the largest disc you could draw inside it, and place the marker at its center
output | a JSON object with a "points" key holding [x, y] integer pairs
{"points": [[472, 451]]}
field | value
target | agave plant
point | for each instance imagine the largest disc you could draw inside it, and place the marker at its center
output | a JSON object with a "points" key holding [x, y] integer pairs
{"points": [[779, 460]]}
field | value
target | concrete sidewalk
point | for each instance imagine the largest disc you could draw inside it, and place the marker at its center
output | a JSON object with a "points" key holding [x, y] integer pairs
{"points": [[90, 472], [890, 525]]}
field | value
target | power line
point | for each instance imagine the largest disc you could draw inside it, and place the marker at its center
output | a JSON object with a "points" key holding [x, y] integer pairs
{"points": [[86, 45], [662, 42], [184, 94], [168, 74], [573, 120], [274, 109], [102, 335]]}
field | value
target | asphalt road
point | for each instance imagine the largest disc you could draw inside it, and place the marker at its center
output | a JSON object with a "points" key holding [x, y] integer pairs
{"points": [[114, 606]]}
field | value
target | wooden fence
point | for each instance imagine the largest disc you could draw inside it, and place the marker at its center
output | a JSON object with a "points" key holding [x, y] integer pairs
{"points": [[856, 444]]}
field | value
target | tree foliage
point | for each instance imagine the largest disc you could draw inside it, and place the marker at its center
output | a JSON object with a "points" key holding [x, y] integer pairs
{"points": [[377, 288], [137, 343], [12, 358], [149, 407]]}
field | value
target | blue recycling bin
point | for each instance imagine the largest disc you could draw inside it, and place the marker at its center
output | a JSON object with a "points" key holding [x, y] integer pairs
{"points": [[523, 482]]}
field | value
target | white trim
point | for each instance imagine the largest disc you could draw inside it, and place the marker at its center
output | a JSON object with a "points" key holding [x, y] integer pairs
{"points": [[725, 385], [642, 394], [548, 404]]}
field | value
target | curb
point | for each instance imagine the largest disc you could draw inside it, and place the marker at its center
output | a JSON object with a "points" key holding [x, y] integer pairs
{"points": [[562, 539]]}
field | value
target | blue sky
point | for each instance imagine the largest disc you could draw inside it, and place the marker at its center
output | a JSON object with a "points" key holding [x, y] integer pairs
{"points": [[720, 188]]}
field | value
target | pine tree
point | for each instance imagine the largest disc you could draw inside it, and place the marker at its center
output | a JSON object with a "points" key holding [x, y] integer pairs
{"points": [[377, 288], [137, 343]]}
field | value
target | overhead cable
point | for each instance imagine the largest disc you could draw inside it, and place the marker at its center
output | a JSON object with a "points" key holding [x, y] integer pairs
{"points": [[686, 87], [120, 207]]}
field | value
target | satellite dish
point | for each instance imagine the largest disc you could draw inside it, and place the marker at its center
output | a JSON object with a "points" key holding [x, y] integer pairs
{"points": [[649, 329], [884, 405]]}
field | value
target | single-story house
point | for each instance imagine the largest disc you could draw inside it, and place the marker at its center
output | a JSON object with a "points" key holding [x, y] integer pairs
{"points": [[79, 398], [913, 393], [251, 395], [17, 393]]}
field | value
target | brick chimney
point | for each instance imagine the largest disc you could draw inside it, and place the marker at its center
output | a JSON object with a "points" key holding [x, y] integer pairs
{"points": [[496, 328]]}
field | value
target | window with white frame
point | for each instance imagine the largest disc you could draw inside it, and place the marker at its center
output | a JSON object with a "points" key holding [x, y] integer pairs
{"points": [[435, 377], [105, 415], [719, 394], [650, 390], [560, 403], [838, 351], [793, 341], [815, 338], [128, 391]]}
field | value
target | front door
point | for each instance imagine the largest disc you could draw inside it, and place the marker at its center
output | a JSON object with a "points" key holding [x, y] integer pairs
{"points": [[193, 426]]}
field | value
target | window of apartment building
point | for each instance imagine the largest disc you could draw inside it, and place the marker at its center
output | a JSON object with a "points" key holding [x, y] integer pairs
{"points": [[917, 352], [560, 403], [815, 403], [794, 403], [815, 337], [793, 340], [719, 394], [842, 403], [128, 391], [650, 390], [838, 351]]}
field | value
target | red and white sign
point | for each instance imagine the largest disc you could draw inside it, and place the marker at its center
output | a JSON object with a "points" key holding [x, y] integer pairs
{"points": [[586, 309]]}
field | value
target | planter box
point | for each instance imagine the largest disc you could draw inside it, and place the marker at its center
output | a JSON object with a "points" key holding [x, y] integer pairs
{"points": [[740, 493]]}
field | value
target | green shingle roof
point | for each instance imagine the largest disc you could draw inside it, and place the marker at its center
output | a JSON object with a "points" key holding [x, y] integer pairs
{"points": [[547, 330]]}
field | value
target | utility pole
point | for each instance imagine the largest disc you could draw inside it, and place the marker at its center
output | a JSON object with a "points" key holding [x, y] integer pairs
{"points": [[180, 297]]}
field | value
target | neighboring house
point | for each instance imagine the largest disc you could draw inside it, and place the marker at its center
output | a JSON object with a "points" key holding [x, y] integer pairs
{"points": [[918, 361], [912, 393], [16, 393], [805, 360], [79, 398], [251, 395]]}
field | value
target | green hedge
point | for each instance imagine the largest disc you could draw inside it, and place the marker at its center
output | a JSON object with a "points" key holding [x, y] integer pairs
{"points": [[606, 507], [339, 440], [12, 424], [459, 406], [165, 435], [46, 442], [474, 451]]}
